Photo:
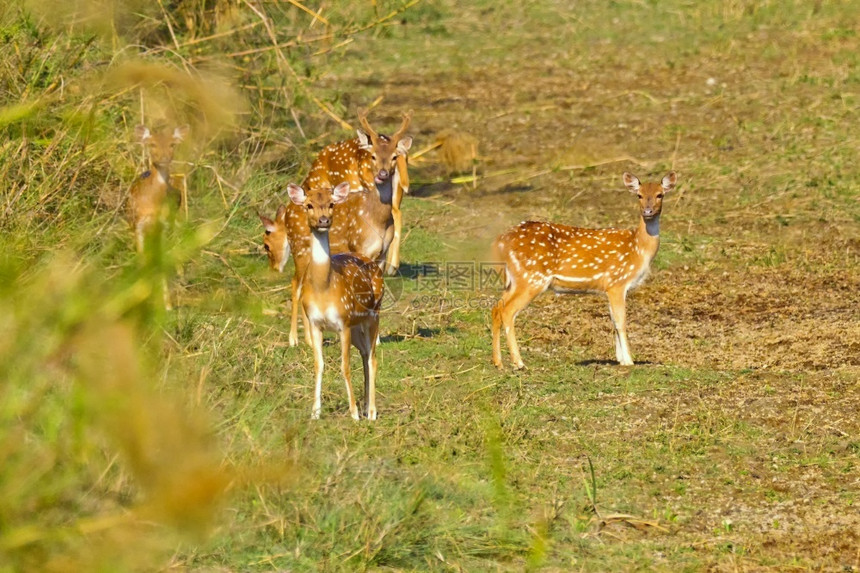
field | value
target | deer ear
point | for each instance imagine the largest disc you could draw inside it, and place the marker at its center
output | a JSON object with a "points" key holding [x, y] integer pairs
{"points": [[364, 140], [631, 182], [669, 181], [340, 193], [142, 132], [297, 194], [281, 215], [404, 144], [268, 224], [181, 132]]}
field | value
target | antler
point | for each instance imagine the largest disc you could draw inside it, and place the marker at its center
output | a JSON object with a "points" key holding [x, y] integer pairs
{"points": [[362, 119], [407, 118]]}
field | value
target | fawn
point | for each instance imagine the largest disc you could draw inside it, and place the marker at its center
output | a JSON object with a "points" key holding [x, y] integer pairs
{"points": [[362, 223], [153, 201], [340, 293], [152, 198], [538, 256]]}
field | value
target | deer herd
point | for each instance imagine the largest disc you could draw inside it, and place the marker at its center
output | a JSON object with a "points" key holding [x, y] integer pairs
{"points": [[342, 228]]}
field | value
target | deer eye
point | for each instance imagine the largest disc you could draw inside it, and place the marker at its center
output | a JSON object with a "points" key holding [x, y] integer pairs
{"points": [[309, 206], [659, 196], [266, 247], [331, 205], [268, 232], [640, 195]]}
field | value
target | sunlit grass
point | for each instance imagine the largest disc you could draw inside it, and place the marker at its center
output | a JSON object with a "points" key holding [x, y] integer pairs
{"points": [[185, 435]]}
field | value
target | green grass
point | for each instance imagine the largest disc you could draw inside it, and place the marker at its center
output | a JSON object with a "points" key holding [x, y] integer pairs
{"points": [[186, 434]]}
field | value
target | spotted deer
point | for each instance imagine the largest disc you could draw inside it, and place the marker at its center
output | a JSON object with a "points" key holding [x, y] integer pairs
{"points": [[152, 198], [340, 293], [363, 223], [398, 170], [538, 256]]}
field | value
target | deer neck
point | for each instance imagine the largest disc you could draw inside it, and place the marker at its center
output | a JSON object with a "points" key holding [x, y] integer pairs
{"points": [[648, 234], [162, 172], [319, 270], [386, 191], [377, 202], [652, 226]]}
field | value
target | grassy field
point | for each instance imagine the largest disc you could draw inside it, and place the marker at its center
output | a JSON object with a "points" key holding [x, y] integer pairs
{"points": [[138, 439]]}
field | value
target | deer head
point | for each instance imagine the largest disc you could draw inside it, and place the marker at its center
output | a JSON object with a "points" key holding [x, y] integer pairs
{"points": [[383, 149], [319, 203], [650, 194], [160, 145], [275, 239]]}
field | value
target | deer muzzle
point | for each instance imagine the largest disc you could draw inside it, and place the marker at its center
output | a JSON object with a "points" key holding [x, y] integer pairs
{"points": [[381, 176]]}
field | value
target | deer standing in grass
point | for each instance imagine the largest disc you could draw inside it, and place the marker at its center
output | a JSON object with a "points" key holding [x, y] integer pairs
{"points": [[152, 199], [340, 293], [362, 223], [538, 256]]}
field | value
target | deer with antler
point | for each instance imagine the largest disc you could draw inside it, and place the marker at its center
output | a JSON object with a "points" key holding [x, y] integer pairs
{"points": [[341, 293], [538, 256], [399, 183], [373, 166]]}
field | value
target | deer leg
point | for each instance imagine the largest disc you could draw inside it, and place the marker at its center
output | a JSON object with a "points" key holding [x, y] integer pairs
{"points": [[294, 313], [387, 240], [307, 325], [150, 243], [345, 344], [497, 325], [497, 333], [319, 364], [166, 292], [513, 301], [364, 338], [393, 259], [360, 341], [370, 369], [371, 386], [617, 312]]}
